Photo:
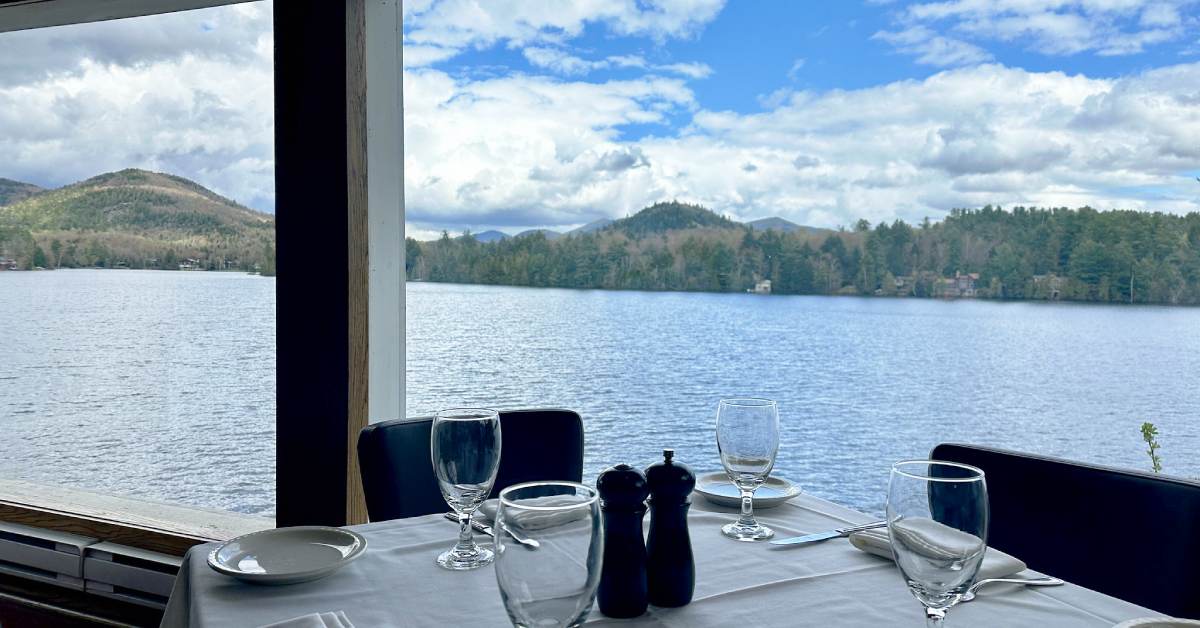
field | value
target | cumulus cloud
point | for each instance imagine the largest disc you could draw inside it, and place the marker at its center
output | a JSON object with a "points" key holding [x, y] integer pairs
{"points": [[457, 25], [189, 93], [523, 150], [947, 32], [962, 137]]}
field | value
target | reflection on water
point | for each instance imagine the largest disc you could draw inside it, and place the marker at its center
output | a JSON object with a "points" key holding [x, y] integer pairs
{"points": [[861, 382]]}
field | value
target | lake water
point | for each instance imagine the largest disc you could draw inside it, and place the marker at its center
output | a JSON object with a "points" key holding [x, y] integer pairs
{"points": [[161, 384], [861, 382], [152, 384]]}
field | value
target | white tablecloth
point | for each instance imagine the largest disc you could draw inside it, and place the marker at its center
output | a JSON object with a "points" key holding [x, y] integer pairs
{"points": [[396, 583]]}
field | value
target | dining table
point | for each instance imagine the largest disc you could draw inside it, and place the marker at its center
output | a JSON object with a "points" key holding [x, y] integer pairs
{"points": [[830, 583]]}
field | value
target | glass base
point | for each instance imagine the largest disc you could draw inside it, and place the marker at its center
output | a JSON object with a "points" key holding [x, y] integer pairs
{"points": [[462, 559], [741, 532]]}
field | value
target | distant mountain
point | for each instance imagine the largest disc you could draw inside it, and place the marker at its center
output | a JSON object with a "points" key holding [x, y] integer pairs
{"points": [[14, 191], [491, 236], [775, 222], [672, 216], [137, 218], [594, 225], [550, 234], [786, 226]]}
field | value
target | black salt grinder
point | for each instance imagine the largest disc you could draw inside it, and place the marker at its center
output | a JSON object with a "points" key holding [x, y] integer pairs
{"points": [[670, 568], [622, 591]]}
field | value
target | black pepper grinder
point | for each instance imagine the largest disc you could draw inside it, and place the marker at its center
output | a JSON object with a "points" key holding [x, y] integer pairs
{"points": [[622, 591], [670, 568]]}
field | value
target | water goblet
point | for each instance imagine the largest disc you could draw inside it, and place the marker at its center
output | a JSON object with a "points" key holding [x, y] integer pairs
{"points": [[747, 439], [554, 585], [465, 447], [937, 516]]}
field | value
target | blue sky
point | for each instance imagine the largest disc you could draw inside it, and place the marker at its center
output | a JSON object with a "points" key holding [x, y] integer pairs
{"points": [[820, 112]]}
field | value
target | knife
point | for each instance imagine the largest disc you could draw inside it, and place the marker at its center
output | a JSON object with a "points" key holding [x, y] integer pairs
{"points": [[476, 524], [829, 534]]}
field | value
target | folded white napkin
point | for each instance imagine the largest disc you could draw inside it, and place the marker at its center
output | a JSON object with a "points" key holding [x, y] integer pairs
{"points": [[938, 538], [314, 620], [535, 520]]}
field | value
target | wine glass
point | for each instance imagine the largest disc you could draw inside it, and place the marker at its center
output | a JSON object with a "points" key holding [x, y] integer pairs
{"points": [[748, 439], [465, 447], [937, 516], [555, 584]]}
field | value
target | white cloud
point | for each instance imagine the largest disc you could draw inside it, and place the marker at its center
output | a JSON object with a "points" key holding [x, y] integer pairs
{"points": [[189, 93], [932, 49], [524, 150], [456, 25], [963, 137], [560, 61], [1054, 27], [797, 65]]}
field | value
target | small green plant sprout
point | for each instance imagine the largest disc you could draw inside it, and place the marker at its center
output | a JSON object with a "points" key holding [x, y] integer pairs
{"points": [[1150, 435]]}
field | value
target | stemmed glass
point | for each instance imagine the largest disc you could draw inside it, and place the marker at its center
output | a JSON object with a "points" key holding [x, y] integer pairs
{"points": [[937, 515], [747, 439], [554, 585], [465, 447]]}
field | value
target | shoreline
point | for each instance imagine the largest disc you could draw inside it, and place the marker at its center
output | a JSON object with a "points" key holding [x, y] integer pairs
{"points": [[824, 295]]}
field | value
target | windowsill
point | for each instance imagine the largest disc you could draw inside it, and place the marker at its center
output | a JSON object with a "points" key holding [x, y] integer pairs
{"points": [[166, 528]]}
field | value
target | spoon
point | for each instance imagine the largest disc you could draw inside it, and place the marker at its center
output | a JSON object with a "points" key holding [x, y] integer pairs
{"points": [[1044, 581]]}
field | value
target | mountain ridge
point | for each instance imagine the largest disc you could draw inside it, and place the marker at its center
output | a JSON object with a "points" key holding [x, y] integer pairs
{"points": [[12, 191], [138, 219]]}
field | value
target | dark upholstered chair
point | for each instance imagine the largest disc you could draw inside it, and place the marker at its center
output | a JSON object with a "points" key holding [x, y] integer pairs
{"points": [[1135, 536], [397, 471]]}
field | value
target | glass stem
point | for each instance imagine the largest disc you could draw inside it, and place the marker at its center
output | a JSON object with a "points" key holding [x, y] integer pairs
{"points": [[935, 617], [747, 518], [464, 532]]}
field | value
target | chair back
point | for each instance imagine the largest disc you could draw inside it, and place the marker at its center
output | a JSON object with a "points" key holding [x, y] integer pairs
{"points": [[1131, 535], [397, 467]]}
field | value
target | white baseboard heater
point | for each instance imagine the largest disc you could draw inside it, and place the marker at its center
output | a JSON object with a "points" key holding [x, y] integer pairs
{"points": [[87, 564]]}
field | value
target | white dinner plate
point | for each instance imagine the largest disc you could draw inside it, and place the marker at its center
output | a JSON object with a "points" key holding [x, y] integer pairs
{"points": [[287, 555], [716, 488]]}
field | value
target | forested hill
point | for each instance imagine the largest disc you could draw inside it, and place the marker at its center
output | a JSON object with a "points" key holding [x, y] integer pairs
{"points": [[135, 219], [13, 191], [1022, 253]]}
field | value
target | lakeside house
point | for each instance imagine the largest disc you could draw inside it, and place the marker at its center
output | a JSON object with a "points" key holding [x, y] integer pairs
{"points": [[7, 263], [961, 285], [762, 287], [1048, 286]]}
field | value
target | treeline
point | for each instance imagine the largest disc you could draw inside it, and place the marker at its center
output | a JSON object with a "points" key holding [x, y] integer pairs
{"points": [[73, 249], [1022, 253]]}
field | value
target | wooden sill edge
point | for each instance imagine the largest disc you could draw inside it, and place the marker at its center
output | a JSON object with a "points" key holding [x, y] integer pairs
{"points": [[166, 528]]}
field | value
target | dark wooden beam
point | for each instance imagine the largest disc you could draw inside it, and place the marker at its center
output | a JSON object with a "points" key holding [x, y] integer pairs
{"points": [[321, 304]]}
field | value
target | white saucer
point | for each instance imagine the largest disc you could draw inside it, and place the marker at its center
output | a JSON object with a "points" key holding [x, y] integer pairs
{"points": [[287, 555], [716, 488]]}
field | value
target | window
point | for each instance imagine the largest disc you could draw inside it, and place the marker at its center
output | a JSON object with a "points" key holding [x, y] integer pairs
{"points": [[140, 349], [907, 230], [326, 349]]}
